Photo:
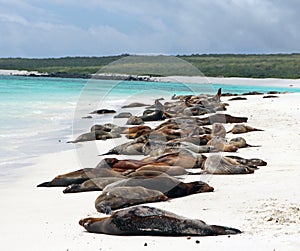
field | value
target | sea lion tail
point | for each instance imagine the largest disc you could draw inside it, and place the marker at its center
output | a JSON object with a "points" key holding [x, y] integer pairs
{"points": [[220, 230]]}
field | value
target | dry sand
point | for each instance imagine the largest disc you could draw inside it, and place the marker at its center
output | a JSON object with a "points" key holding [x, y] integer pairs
{"points": [[264, 205]]}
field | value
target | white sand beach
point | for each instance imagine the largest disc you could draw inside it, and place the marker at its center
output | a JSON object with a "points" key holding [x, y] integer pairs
{"points": [[264, 205]]}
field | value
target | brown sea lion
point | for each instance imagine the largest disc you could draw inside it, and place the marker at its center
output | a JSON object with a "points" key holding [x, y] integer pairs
{"points": [[146, 173], [96, 184], [222, 145], [184, 158], [170, 170], [240, 142], [242, 128], [79, 176], [144, 220], [95, 135], [120, 197], [218, 130], [170, 186], [121, 164], [216, 164]]}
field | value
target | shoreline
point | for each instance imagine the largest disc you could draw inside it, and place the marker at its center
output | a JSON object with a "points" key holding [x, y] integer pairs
{"points": [[51, 218], [267, 82]]}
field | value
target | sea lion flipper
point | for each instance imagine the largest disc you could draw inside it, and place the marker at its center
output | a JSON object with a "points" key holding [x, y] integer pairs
{"points": [[44, 184], [221, 230]]}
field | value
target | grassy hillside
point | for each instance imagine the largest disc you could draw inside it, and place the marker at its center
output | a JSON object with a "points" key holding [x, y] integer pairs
{"points": [[227, 65]]}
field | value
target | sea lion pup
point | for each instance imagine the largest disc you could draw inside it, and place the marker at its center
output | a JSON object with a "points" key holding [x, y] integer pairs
{"points": [[216, 164], [242, 128], [249, 162], [79, 176], [170, 186], [120, 197], [144, 220], [222, 145], [240, 142], [218, 130], [96, 184], [184, 158]]}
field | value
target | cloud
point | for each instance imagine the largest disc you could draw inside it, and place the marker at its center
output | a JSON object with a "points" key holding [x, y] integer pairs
{"points": [[99, 27]]}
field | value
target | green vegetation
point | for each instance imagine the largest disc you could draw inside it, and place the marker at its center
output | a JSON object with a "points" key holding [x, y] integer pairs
{"points": [[227, 65]]}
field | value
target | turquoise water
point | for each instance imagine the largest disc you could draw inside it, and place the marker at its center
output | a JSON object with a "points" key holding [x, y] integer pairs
{"points": [[37, 114]]}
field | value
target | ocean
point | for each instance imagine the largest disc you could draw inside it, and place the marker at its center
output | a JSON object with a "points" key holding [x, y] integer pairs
{"points": [[39, 115]]}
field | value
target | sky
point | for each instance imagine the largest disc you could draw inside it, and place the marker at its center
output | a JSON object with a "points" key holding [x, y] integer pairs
{"points": [[58, 28]]}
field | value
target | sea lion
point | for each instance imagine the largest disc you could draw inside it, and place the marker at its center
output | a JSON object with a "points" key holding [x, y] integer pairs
{"points": [[119, 197], [129, 148], [270, 96], [237, 98], [135, 129], [103, 111], [144, 220], [222, 118], [216, 164], [240, 142], [184, 158], [146, 173], [218, 130], [96, 184], [242, 128], [134, 120], [170, 186], [122, 115], [249, 162], [79, 176], [170, 170], [136, 104], [222, 145]]}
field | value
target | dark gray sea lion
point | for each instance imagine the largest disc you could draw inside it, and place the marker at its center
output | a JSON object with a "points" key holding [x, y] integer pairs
{"points": [[122, 115], [249, 162], [222, 118], [103, 111], [242, 128], [240, 143], [155, 116], [216, 164], [222, 145], [96, 184], [270, 96], [170, 186], [129, 148], [120, 197], [95, 135], [134, 120], [136, 104], [237, 98], [144, 220], [79, 176], [253, 93]]}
